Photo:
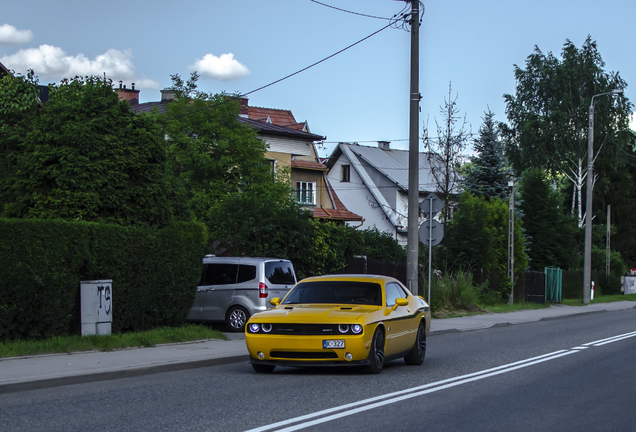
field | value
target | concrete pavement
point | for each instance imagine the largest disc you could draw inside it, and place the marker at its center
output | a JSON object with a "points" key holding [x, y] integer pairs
{"points": [[42, 371]]}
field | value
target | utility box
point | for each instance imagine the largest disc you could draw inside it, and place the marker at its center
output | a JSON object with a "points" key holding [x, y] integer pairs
{"points": [[629, 284], [97, 307]]}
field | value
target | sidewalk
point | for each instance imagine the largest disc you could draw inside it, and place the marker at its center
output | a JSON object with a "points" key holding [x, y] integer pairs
{"points": [[35, 372]]}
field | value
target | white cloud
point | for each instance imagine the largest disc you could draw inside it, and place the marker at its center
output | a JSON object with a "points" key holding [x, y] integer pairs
{"points": [[222, 68], [53, 62], [10, 35]]}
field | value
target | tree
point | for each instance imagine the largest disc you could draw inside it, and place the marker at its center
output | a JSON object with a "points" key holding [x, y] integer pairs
{"points": [[487, 175], [219, 165], [18, 105], [85, 156], [445, 150], [548, 114], [477, 239], [211, 154], [551, 234]]}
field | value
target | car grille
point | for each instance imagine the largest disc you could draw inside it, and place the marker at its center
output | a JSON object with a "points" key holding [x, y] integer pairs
{"points": [[305, 329], [303, 355]]}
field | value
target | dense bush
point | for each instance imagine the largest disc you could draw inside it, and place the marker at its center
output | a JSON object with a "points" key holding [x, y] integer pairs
{"points": [[454, 291], [154, 273]]}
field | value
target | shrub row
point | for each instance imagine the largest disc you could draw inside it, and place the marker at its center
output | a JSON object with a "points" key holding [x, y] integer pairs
{"points": [[154, 273]]}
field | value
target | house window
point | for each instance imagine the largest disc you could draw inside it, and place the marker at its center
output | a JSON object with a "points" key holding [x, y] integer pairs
{"points": [[272, 163], [345, 175], [306, 193]]}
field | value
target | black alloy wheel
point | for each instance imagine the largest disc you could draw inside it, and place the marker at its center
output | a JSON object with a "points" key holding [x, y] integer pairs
{"points": [[376, 353], [418, 352]]}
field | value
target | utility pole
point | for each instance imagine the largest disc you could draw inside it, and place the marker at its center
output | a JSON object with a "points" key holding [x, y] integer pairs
{"points": [[412, 240], [607, 243]]}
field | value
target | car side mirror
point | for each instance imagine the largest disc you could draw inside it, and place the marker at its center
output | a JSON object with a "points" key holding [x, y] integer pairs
{"points": [[275, 301], [400, 302]]}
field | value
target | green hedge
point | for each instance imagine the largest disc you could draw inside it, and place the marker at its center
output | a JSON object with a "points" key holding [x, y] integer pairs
{"points": [[154, 273]]}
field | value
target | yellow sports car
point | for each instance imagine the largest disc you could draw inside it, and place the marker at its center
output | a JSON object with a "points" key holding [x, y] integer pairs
{"points": [[340, 320]]}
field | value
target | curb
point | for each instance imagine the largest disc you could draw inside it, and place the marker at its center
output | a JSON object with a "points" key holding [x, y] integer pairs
{"points": [[104, 376]]}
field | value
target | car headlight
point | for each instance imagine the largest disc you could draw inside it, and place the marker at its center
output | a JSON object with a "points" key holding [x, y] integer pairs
{"points": [[343, 328], [254, 328], [356, 328], [267, 328]]}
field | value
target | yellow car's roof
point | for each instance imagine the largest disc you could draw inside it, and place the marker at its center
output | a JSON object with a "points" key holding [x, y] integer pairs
{"points": [[352, 278]]}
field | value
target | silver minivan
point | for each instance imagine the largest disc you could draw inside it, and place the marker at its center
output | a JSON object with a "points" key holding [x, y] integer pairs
{"points": [[234, 288]]}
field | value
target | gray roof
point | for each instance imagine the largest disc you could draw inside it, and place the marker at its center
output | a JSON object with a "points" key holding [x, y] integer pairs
{"points": [[394, 165]]}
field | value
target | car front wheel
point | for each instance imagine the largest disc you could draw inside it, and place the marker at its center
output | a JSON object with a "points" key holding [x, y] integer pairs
{"points": [[236, 318], [376, 353], [418, 352]]}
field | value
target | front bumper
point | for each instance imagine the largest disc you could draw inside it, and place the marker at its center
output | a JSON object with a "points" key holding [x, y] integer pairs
{"points": [[287, 350]]}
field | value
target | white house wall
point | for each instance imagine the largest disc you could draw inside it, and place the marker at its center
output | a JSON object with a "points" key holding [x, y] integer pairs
{"points": [[358, 199], [290, 146]]}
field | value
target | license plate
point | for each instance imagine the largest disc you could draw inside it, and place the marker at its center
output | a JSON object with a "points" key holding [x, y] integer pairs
{"points": [[331, 344]]}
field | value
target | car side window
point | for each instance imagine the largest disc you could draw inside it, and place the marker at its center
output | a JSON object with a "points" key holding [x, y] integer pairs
{"points": [[246, 273], [393, 291], [220, 274]]}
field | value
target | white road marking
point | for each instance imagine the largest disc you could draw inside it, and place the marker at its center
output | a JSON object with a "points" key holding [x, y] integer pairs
{"points": [[306, 421]]}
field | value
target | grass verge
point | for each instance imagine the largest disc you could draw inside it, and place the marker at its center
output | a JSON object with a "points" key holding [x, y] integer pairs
{"points": [[504, 307], [67, 344]]}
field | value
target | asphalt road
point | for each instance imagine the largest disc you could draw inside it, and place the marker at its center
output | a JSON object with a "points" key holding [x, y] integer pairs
{"points": [[540, 376]]}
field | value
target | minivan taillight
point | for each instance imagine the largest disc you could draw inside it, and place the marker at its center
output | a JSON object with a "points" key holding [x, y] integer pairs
{"points": [[262, 290]]}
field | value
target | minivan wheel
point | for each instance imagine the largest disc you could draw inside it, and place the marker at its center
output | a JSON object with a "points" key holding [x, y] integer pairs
{"points": [[236, 318]]}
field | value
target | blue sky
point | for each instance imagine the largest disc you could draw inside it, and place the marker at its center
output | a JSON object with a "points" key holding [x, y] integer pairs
{"points": [[360, 95]]}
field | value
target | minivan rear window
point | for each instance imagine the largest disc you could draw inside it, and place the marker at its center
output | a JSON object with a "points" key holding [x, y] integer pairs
{"points": [[280, 273]]}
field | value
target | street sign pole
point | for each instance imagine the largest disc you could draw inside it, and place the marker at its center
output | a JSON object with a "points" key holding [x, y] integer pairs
{"points": [[431, 205]]}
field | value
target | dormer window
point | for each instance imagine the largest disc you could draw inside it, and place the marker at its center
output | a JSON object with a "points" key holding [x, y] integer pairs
{"points": [[345, 173]]}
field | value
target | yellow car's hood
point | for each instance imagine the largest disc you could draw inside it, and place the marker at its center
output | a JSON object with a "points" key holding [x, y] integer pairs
{"points": [[313, 313]]}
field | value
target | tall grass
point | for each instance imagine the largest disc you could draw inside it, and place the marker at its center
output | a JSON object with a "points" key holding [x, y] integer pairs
{"points": [[454, 291]]}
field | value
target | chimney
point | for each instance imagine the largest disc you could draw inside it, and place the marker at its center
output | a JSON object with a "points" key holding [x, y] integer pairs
{"points": [[384, 145], [129, 95], [244, 105], [167, 95]]}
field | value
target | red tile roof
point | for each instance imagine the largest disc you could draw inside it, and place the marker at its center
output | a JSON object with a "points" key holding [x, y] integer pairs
{"points": [[339, 213], [277, 116]]}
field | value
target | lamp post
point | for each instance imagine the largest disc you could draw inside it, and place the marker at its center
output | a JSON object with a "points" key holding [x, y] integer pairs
{"points": [[511, 238], [587, 258]]}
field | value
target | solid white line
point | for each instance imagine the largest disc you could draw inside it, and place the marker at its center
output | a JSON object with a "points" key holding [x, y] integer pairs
{"points": [[615, 340], [412, 395], [401, 392], [609, 338]]}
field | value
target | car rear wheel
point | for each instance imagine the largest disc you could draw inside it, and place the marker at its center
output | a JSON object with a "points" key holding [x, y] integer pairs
{"points": [[418, 352], [261, 368], [236, 318], [376, 353]]}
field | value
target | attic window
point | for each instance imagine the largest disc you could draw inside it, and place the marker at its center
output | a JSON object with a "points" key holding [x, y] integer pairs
{"points": [[345, 173]]}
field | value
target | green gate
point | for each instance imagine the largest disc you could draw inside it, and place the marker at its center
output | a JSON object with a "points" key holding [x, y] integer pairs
{"points": [[553, 284]]}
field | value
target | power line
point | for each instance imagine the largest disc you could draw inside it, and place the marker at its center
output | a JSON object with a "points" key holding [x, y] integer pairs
{"points": [[233, 98], [354, 13]]}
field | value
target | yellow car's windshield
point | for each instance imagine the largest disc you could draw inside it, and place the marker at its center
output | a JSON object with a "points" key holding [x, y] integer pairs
{"points": [[336, 292]]}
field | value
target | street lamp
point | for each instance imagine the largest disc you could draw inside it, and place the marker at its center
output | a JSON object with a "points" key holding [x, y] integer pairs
{"points": [[587, 259], [511, 238]]}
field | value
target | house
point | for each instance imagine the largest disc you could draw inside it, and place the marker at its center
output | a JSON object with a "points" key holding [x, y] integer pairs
{"points": [[290, 144], [373, 182]]}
